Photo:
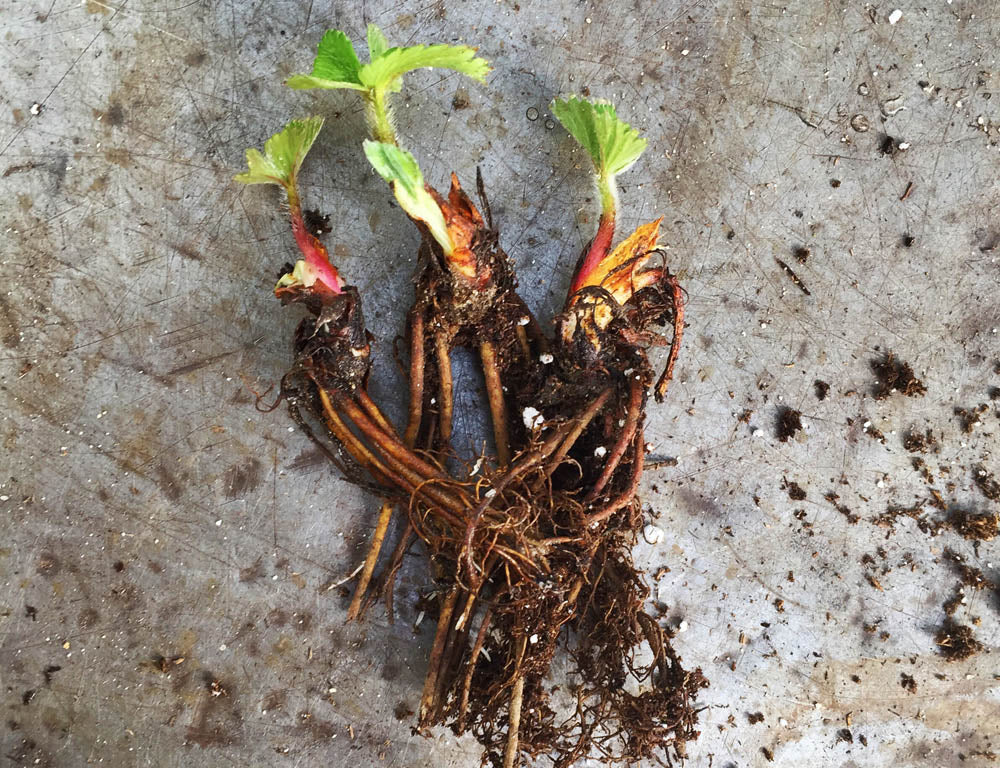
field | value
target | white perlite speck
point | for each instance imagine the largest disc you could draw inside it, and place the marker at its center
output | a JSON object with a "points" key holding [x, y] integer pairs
{"points": [[532, 417], [545, 358], [895, 16], [600, 451], [652, 534]]}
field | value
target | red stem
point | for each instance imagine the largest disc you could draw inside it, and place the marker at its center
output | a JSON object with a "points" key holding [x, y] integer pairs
{"points": [[600, 247], [315, 253]]}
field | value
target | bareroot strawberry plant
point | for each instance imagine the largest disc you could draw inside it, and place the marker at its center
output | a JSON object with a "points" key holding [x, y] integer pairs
{"points": [[530, 546]]}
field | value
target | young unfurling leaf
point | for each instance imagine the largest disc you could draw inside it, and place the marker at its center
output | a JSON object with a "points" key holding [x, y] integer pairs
{"points": [[400, 169], [613, 145], [280, 164], [283, 154], [337, 66]]}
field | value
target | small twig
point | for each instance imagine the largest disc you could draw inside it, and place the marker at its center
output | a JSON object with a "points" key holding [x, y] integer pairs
{"points": [[348, 577], [792, 276]]}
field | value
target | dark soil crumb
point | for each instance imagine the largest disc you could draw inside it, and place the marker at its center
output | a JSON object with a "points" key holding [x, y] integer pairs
{"points": [[841, 508], [974, 526], [908, 683], [768, 754], [844, 734], [889, 145], [795, 491], [461, 99], [893, 512], [993, 393], [956, 642], [937, 500], [755, 717], [971, 417], [317, 223], [822, 389], [873, 432], [921, 466], [895, 376], [950, 606], [914, 442], [49, 671], [789, 422], [801, 254], [986, 483], [968, 576]]}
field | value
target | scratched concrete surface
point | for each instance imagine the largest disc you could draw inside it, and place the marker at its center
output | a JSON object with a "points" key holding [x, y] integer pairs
{"points": [[168, 552]]}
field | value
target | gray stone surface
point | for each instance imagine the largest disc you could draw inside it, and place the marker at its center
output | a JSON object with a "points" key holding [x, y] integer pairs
{"points": [[161, 537]]}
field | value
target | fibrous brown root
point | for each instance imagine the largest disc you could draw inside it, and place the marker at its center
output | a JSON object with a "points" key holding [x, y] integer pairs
{"points": [[531, 552]]}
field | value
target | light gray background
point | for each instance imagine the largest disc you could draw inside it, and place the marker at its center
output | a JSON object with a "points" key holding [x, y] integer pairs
{"points": [[148, 510]]}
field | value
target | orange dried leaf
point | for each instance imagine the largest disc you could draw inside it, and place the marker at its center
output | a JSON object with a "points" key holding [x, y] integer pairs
{"points": [[626, 259]]}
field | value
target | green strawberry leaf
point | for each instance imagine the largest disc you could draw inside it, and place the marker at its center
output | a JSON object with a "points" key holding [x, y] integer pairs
{"points": [[283, 154], [612, 144], [377, 43], [385, 70], [336, 65]]}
